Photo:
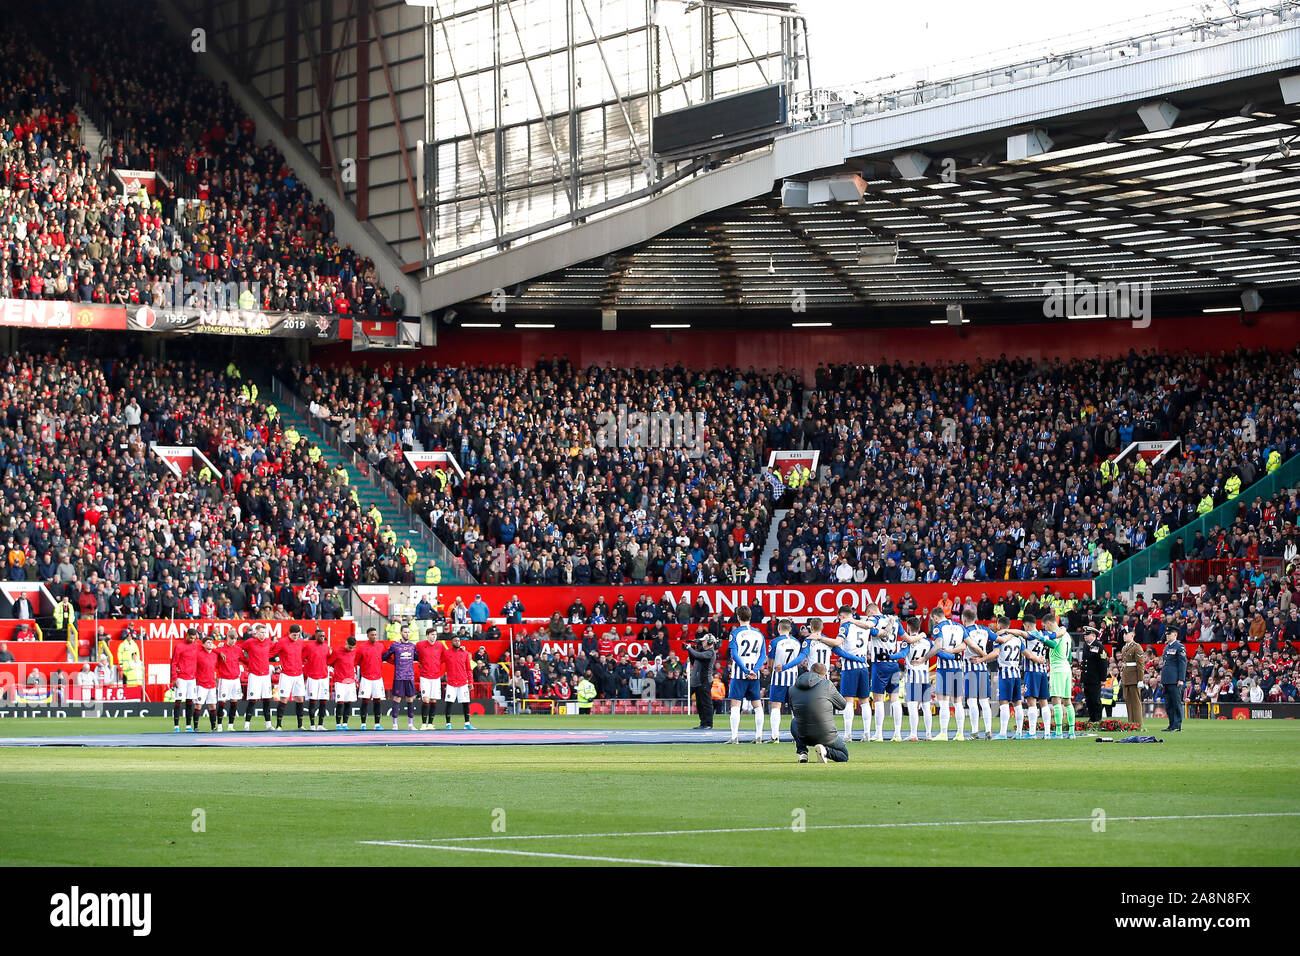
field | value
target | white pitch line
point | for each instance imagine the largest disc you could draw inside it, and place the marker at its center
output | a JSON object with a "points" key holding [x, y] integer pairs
{"points": [[555, 856], [850, 826]]}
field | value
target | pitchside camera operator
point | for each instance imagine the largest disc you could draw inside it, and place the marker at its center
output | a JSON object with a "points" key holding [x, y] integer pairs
{"points": [[703, 652]]}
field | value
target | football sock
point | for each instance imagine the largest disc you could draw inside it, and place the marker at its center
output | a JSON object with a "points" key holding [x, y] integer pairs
{"points": [[1058, 716], [410, 710], [943, 717], [972, 707], [212, 719], [880, 718], [848, 719], [1020, 717], [735, 719], [912, 715], [959, 715], [896, 708], [927, 716], [1069, 718], [758, 718], [279, 713], [986, 711], [776, 721], [297, 710], [865, 707], [176, 713], [1004, 714], [266, 709], [464, 710]]}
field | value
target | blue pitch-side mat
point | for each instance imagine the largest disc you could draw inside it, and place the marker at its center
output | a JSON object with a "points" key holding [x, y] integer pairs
{"points": [[389, 738]]}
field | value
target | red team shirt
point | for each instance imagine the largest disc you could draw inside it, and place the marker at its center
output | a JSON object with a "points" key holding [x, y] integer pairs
{"points": [[317, 660], [369, 659], [429, 653], [205, 668], [344, 663], [228, 656], [183, 658], [290, 653], [258, 654], [458, 667]]}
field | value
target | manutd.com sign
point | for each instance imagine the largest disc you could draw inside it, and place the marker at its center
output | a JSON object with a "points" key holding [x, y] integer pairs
{"points": [[782, 601]]}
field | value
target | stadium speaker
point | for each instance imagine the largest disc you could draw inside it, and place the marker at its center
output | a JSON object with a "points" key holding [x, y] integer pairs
{"points": [[609, 320], [794, 194], [1024, 146], [955, 314], [912, 165], [1290, 88], [848, 188], [1251, 300], [1158, 116], [449, 316]]}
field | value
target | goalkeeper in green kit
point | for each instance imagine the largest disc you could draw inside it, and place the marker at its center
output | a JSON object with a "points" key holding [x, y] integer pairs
{"points": [[1060, 646]]}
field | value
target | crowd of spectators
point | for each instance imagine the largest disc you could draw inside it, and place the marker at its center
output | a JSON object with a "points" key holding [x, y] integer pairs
{"points": [[993, 470], [227, 211], [85, 506], [549, 496]]}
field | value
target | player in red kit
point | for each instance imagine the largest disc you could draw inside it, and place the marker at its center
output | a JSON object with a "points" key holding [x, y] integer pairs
{"points": [[315, 668], [290, 687], [370, 653], [429, 653], [457, 667], [257, 657], [344, 662], [205, 680], [184, 655], [228, 690]]}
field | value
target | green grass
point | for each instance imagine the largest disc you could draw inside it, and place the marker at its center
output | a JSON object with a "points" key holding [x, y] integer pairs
{"points": [[77, 807]]}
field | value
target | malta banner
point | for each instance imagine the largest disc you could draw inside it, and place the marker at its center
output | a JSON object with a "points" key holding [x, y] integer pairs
{"points": [[781, 600], [246, 322], [441, 460], [43, 314]]}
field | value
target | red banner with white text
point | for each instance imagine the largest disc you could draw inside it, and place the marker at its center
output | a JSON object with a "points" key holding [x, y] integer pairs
{"points": [[781, 600]]}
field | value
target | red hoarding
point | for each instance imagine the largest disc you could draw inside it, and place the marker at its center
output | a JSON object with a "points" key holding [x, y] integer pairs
{"points": [[783, 600]]}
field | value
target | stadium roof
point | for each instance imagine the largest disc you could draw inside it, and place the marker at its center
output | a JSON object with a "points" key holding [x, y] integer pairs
{"points": [[1199, 196]]}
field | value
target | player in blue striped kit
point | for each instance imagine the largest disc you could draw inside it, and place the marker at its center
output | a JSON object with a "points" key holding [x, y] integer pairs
{"points": [[886, 639], [747, 649], [1034, 666], [949, 639], [853, 645], [979, 651], [787, 653], [1011, 648], [916, 652]]}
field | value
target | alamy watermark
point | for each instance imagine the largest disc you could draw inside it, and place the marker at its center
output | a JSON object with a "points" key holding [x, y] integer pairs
{"points": [[1083, 299], [680, 431]]}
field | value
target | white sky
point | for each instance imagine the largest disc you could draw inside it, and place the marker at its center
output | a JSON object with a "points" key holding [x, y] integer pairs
{"points": [[853, 42]]}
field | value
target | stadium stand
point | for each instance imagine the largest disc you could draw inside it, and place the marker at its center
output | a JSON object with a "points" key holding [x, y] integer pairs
{"points": [[87, 507], [228, 211]]}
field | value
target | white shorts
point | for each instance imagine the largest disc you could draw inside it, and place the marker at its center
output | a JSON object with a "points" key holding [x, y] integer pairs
{"points": [[372, 689], [205, 697], [457, 695], [431, 688], [185, 689], [289, 687], [259, 687], [345, 693], [318, 688], [228, 689]]}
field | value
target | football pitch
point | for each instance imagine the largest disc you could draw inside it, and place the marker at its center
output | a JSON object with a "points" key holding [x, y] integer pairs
{"points": [[1221, 793]]}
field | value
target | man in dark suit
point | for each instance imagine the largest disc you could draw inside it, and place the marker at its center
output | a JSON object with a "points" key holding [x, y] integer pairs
{"points": [[23, 609], [1173, 674], [704, 656]]}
